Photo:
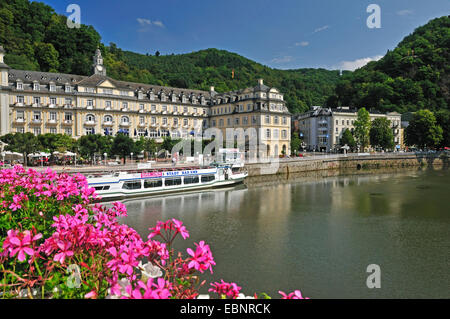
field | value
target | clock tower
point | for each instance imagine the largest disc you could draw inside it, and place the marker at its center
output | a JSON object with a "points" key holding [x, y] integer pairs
{"points": [[99, 68]]}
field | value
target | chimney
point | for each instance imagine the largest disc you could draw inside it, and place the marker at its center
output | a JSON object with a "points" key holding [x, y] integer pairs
{"points": [[260, 82]]}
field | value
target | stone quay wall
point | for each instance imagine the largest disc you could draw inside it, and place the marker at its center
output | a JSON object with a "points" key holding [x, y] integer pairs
{"points": [[338, 162]]}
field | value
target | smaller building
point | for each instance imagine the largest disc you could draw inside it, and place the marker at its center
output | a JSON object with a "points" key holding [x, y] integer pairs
{"points": [[322, 128]]}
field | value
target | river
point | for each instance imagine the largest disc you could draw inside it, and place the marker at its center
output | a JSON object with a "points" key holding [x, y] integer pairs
{"points": [[318, 232]]}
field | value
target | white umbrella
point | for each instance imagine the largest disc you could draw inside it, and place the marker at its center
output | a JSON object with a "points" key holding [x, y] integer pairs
{"points": [[69, 154]]}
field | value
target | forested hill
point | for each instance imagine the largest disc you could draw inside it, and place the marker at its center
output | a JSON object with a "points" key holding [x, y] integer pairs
{"points": [[415, 75], [36, 38]]}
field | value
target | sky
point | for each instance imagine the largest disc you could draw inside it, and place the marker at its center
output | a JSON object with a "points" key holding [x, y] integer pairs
{"points": [[283, 34]]}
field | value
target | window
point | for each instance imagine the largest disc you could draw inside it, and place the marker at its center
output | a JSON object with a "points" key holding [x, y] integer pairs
{"points": [[20, 115], [36, 116], [236, 121], [37, 131], [108, 104], [254, 120], [185, 109], [89, 103], [284, 134], [68, 101], [164, 108], [175, 109], [90, 131], [153, 120], [19, 86], [68, 131], [90, 118], [52, 130], [275, 120], [67, 117], [53, 101], [164, 121], [213, 122], [125, 120], [36, 87], [52, 87], [102, 188], [89, 90], [36, 101], [20, 100], [191, 180], [151, 183], [276, 134], [107, 91], [141, 120], [208, 178], [228, 121], [172, 181], [267, 120], [175, 121], [68, 88], [132, 185], [185, 122], [268, 133], [220, 122], [52, 116], [125, 105], [153, 108], [285, 120], [108, 119]]}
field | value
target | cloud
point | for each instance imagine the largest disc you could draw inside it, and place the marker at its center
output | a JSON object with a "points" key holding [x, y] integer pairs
{"points": [[321, 28], [302, 44], [281, 60], [144, 23], [356, 64], [404, 12]]}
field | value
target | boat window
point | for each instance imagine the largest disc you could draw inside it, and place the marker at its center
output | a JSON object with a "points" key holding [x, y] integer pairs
{"points": [[150, 183], [191, 180], [101, 188], [172, 181], [208, 178], [132, 185]]}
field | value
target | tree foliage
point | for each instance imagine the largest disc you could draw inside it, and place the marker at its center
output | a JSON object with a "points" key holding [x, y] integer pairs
{"points": [[362, 128], [381, 134], [414, 76], [423, 131]]}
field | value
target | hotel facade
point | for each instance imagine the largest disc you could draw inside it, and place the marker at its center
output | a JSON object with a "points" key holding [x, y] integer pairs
{"points": [[322, 128], [40, 103]]}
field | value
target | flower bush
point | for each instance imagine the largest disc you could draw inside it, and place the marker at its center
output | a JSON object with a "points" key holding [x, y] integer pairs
{"points": [[56, 242]]}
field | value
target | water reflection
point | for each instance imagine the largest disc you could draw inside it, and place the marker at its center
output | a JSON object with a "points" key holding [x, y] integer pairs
{"points": [[318, 231]]}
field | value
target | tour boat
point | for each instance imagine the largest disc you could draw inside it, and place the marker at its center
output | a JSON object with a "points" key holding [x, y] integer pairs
{"points": [[123, 184]]}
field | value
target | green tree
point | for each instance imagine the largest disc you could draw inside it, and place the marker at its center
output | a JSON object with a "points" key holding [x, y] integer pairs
{"points": [[362, 128], [381, 134], [123, 146], [24, 143], [47, 57], [423, 130], [443, 120], [296, 142], [92, 144], [348, 139]]}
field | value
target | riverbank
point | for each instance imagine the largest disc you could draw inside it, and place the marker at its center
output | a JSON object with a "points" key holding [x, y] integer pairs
{"points": [[349, 162]]}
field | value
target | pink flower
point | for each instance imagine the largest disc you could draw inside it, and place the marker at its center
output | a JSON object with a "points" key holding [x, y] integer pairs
{"points": [[180, 228], [64, 252], [20, 244], [230, 290], [293, 295], [202, 258]]}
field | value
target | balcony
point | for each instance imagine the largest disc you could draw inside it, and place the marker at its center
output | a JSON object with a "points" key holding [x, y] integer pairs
{"points": [[67, 122], [154, 124], [36, 105], [108, 123], [52, 106], [141, 111], [165, 125], [19, 104], [124, 109], [68, 106], [36, 122], [19, 121], [52, 122], [143, 124], [90, 123], [125, 124], [153, 111]]}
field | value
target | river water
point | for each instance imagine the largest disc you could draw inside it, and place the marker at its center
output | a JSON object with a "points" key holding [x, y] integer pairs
{"points": [[318, 232]]}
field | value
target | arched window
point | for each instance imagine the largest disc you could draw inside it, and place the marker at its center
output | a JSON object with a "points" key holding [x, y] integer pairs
{"points": [[125, 120], [90, 118]]}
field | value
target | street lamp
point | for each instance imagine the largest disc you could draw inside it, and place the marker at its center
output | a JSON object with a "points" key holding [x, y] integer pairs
{"points": [[105, 154], [131, 156]]}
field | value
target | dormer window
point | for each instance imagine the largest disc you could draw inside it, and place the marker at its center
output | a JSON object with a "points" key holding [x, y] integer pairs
{"points": [[152, 96], [194, 100], [183, 99], [140, 95], [163, 97], [174, 98], [35, 86], [52, 87], [19, 86], [68, 89]]}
